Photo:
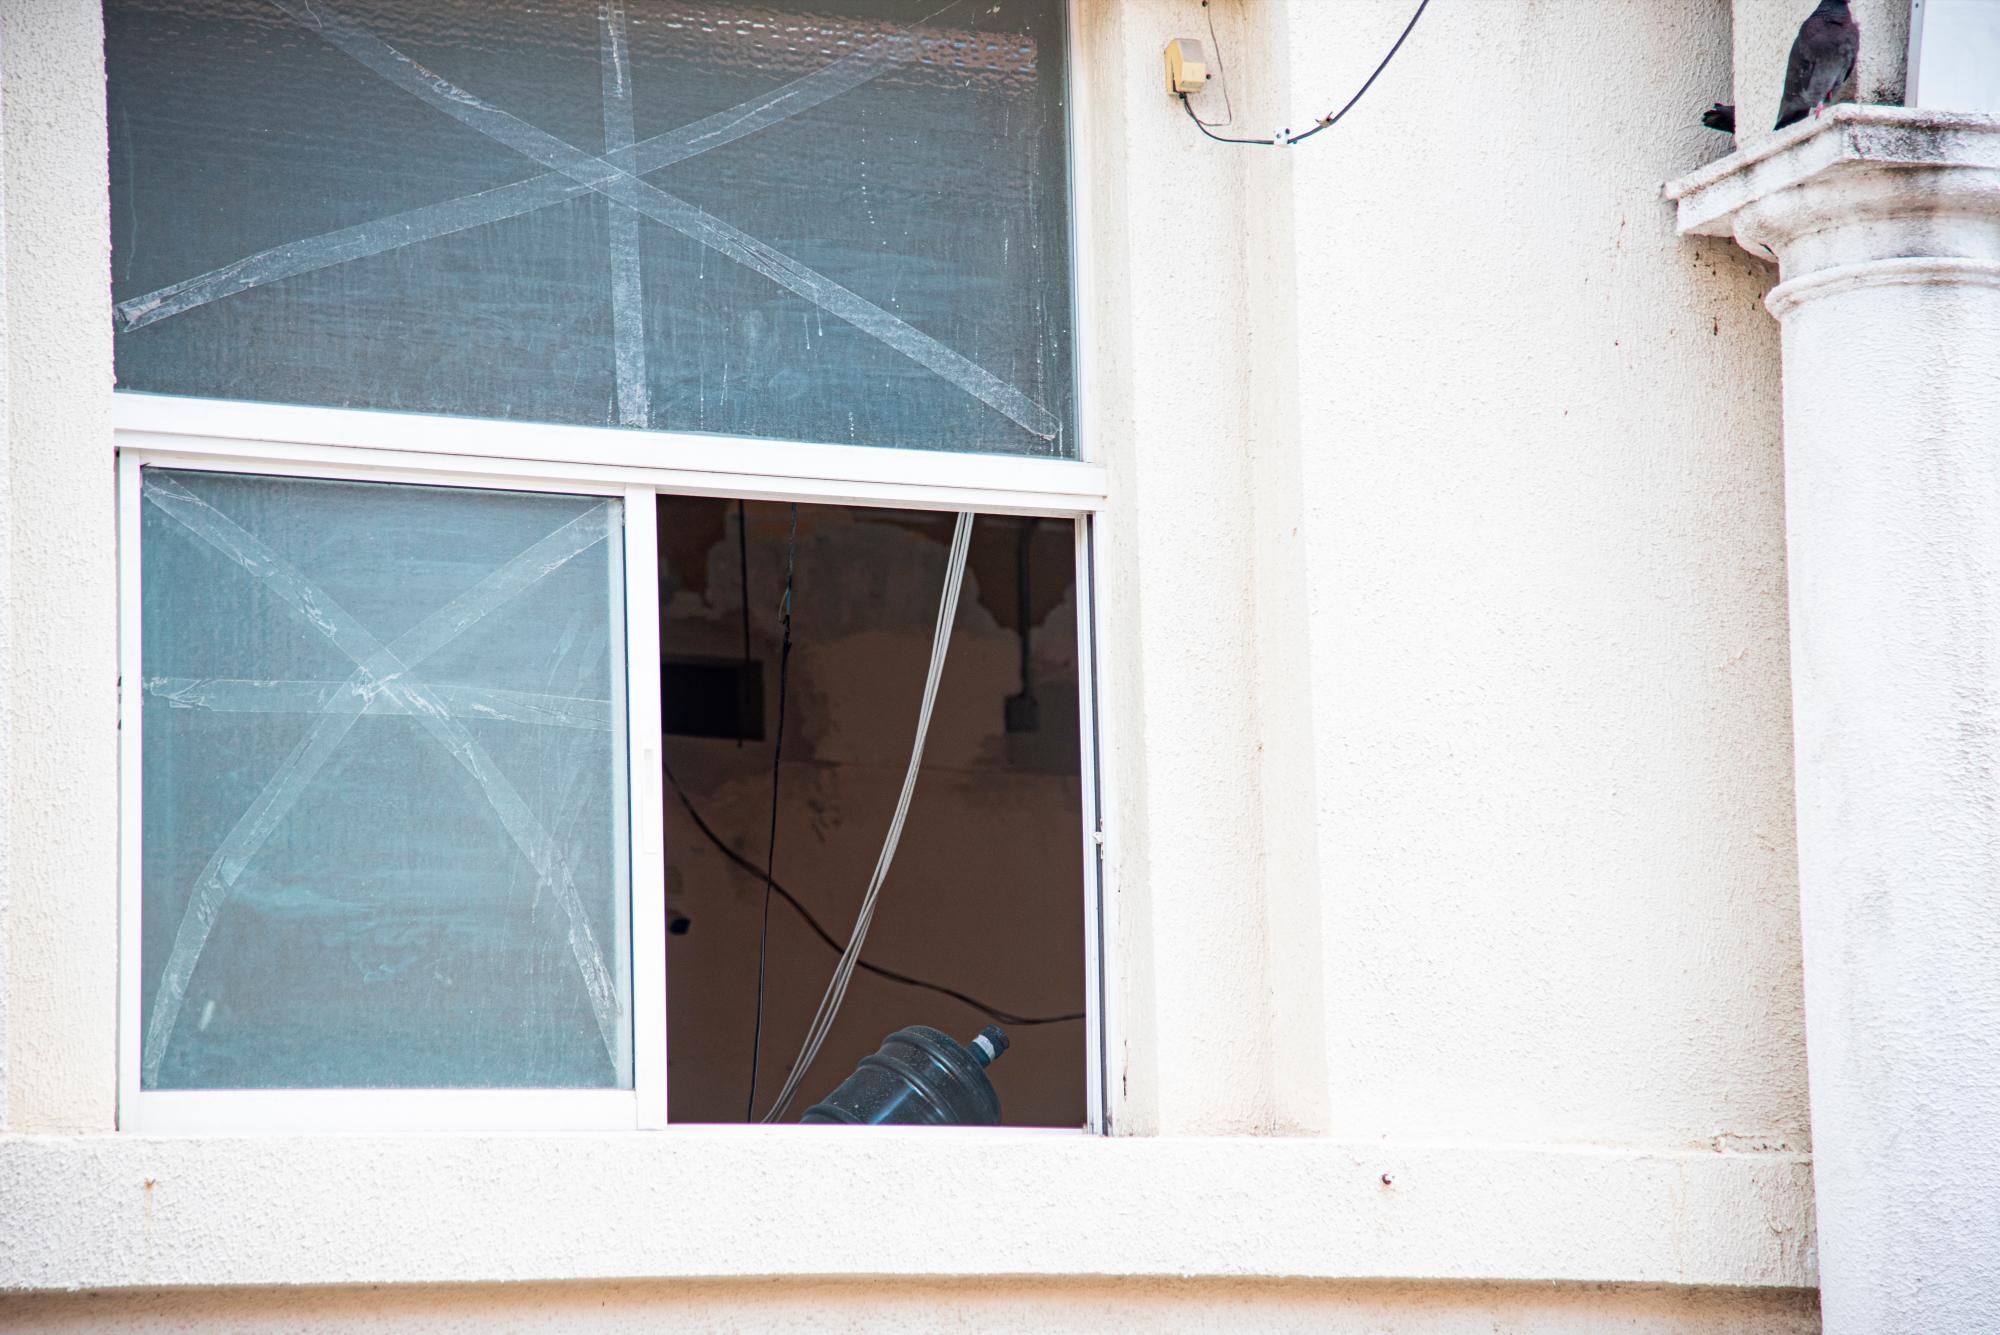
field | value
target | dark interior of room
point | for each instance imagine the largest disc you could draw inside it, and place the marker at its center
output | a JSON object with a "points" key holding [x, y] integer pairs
{"points": [[985, 897]]}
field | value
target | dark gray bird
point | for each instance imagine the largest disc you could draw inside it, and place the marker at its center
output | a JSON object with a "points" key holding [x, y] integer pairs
{"points": [[1721, 116], [1822, 59]]}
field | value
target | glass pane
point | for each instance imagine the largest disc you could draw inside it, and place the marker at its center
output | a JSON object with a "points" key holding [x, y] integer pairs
{"points": [[385, 833], [824, 220]]}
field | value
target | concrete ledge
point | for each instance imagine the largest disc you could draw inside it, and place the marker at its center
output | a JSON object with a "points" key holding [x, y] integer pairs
{"points": [[1877, 136], [111, 1212]]}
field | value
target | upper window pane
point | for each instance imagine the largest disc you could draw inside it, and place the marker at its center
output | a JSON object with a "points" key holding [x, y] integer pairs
{"points": [[383, 787], [843, 221]]}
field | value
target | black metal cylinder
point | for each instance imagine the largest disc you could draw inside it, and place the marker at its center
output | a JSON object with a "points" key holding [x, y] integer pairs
{"points": [[919, 1077]]}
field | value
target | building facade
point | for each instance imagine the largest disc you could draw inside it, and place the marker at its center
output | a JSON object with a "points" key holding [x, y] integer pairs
{"points": [[1503, 603]]}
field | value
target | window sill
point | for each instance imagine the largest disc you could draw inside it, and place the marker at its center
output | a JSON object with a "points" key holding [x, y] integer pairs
{"points": [[128, 1211]]}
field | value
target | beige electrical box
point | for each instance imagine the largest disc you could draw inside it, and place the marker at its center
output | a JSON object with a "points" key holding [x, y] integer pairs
{"points": [[1187, 66]]}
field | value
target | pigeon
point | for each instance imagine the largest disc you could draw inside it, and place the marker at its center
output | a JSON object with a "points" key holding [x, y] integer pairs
{"points": [[1822, 59], [1721, 116]]}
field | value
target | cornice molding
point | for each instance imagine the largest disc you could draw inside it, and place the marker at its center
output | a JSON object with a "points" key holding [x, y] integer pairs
{"points": [[1847, 136], [1882, 196], [1921, 270]]}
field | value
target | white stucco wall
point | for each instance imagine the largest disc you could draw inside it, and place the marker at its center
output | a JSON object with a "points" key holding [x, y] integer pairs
{"points": [[60, 691], [1447, 748], [6, 604], [1170, 416], [1540, 543]]}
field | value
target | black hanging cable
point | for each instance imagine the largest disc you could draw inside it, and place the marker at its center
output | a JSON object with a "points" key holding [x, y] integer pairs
{"points": [[1285, 138], [771, 850], [1328, 122], [834, 943], [1215, 45], [1023, 711], [1024, 569]]}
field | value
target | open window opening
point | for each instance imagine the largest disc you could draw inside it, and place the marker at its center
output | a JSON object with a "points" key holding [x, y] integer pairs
{"points": [[981, 918]]}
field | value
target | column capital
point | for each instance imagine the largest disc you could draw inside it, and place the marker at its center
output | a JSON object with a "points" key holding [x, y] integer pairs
{"points": [[1864, 195]]}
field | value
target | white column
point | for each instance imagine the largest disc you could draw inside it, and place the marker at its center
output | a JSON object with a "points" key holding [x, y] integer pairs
{"points": [[1887, 226]]}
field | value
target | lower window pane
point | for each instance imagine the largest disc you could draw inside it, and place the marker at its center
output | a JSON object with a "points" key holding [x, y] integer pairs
{"points": [[384, 787]]}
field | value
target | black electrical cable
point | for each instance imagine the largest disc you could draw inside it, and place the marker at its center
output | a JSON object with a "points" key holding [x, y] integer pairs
{"points": [[1024, 551], [1215, 45], [1328, 122], [1222, 138], [1286, 138], [1024, 568], [834, 943], [771, 851]]}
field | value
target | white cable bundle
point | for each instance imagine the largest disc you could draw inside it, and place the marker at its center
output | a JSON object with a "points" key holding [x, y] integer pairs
{"points": [[836, 989]]}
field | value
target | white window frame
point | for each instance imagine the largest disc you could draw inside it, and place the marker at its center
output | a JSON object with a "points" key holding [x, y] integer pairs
{"points": [[360, 445]]}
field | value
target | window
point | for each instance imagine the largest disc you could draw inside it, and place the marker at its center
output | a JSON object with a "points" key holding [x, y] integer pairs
{"points": [[838, 221], [433, 414]]}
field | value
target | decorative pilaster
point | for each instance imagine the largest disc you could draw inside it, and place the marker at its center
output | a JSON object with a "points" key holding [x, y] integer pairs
{"points": [[1886, 224]]}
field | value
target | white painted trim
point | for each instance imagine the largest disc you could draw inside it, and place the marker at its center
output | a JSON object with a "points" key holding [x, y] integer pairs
{"points": [[670, 461], [131, 816], [624, 794], [1096, 1034], [305, 462], [96, 1212], [531, 474], [1099, 1019], [1082, 269], [649, 867], [1104, 685], [239, 1112]]}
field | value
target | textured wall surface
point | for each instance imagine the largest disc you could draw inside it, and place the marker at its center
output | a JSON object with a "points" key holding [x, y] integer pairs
{"points": [[1191, 1003], [6, 613], [61, 688], [1540, 534]]}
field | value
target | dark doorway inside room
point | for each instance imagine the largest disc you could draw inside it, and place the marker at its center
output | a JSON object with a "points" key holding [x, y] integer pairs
{"points": [[986, 894]]}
